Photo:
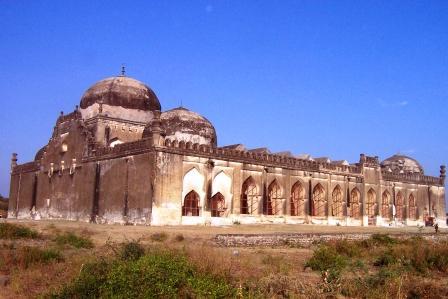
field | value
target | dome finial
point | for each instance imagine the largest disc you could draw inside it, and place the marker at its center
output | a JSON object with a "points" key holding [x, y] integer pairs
{"points": [[123, 70]]}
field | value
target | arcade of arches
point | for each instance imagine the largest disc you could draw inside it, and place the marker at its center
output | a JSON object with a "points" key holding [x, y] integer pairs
{"points": [[253, 202]]}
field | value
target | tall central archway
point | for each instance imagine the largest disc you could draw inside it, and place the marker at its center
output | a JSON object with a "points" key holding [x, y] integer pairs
{"points": [[385, 208], [399, 200], [249, 197], [336, 206], [371, 203], [273, 205], [355, 197], [319, 201], [412, 207], [297, 202]]}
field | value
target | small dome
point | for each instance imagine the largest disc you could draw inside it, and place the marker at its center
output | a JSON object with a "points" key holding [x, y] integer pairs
{"points": [[184, 125], [402, 164], [121, 91]]}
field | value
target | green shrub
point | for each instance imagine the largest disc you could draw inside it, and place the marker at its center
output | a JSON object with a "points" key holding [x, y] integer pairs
{"points": [[383, 239], [387, 258], [87, 285], [28, 256], [14, 231], [73, 240], [349, 249], [155, 275], [159, 237], [131, 251], [326, 258]]}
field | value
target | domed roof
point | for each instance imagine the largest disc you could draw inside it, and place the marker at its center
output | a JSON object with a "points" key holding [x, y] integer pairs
{"points": [[402, 163], [121, 91], [184, 125]]}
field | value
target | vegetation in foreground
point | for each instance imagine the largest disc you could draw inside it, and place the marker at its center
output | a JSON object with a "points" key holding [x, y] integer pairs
{"points": [[383, 267], [134, 273], [59, 264]]}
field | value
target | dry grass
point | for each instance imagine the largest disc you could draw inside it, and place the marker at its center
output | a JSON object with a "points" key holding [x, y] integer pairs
{"points": [[266, 272]]}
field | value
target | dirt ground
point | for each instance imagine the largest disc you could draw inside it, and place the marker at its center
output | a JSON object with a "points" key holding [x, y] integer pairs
{"points": [[100, 233]]}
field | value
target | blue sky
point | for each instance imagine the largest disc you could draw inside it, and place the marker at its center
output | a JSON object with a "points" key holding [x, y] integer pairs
{"points": [[329, 78]]}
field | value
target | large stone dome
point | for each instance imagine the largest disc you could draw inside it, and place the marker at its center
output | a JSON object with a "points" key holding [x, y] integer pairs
{"points": [[402, 164], [121, 91], [184, 125], [120, 97]]}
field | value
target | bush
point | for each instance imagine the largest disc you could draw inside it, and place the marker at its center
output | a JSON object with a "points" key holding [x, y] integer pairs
{"points": [[387, 258], [159, 237], [74, 240], [155, 275], [13, 231], [131, 251], [349, 249], [382, 239], [179, 238], [28, 256], [327, 260]]}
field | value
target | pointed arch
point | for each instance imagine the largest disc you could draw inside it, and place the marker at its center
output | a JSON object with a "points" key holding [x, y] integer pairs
{"points": [[297, 201], [273, 204], [194, 181], [399, 202], [218, 205], [191, 204], [336, 206], [355, 199], [412, 207], [385, 205], [371, 203], [249, 197], [222, 183], [319, 201]]}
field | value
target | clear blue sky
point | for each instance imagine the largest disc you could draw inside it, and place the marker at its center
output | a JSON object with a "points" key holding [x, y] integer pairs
{"points": [[329, 78]]}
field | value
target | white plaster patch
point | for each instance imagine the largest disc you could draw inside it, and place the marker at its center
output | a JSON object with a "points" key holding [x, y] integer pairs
{"points": [[193, 180], [222, 183]]}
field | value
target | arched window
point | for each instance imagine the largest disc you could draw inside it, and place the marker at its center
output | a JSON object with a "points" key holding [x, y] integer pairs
{"points": [[191, 204], [273, 204], [385, 202], [370, 204], [319, 202], [249, 197], [355, 197], [399, 206], [297, 200], [412, 208], [336, 206], [218, 205]]}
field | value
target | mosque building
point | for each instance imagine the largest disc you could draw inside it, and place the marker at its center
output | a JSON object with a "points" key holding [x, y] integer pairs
{"points": [[119, 159]]}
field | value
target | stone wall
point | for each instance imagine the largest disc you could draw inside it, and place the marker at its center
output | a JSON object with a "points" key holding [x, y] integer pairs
{"points": [[303, 240]]}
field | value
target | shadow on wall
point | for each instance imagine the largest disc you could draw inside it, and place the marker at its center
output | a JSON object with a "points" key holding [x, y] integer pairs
{"points": [[3, 207]]}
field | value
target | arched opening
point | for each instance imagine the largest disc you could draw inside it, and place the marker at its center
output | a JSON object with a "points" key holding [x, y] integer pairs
{"points": [[297, 201], [385, 202], [399, 206], [273, 205], [319, 202], [412, 208], [191, 204], [249, 197], [218, 205], [355, 197], [371, 203], [336, 206]]}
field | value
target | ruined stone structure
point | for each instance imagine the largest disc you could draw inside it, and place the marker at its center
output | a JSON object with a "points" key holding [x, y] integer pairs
{"points": [[118, 159]]}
